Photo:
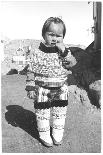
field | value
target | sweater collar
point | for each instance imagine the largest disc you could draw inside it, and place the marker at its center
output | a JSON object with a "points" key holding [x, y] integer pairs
{"points": [[47, 49]]}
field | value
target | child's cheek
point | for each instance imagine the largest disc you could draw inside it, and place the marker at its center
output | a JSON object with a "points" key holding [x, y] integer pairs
{"points": [[60, 40]]}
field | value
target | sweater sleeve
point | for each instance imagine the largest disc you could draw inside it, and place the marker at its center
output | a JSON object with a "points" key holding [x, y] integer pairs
{"points": [[30, 84]]}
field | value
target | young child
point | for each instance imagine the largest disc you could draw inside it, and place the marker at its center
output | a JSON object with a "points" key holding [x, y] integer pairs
{"points": [[46, 80]]}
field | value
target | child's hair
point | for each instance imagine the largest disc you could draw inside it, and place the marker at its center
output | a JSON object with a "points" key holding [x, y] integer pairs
{"points": [[55, 20]]}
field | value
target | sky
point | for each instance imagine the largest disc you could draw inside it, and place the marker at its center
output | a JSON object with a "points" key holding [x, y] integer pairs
{"points": [[24, 19]]}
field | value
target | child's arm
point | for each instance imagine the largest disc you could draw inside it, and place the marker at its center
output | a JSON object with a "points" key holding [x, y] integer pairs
{"points": [[30, 84]]}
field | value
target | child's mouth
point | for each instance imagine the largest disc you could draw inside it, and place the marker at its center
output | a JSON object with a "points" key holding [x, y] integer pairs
{"points": [[53, 44]]}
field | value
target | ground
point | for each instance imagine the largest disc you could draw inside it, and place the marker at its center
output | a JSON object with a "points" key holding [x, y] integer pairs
{"points": [[19, 134]]}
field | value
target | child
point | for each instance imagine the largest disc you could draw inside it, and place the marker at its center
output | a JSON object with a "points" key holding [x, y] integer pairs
{"points": [[46, 80]]}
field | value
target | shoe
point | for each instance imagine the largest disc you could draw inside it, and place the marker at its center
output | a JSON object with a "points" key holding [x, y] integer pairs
{"points": [[57, 143], [45, 138], [57, 136], [46, 143]]}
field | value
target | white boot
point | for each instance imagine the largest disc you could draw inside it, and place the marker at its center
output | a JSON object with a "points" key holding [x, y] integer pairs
{"points": [[43, 124], [59, 115]]}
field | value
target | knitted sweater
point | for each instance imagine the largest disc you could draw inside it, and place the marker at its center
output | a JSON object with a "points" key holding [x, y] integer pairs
{"points": [[46, 67]]}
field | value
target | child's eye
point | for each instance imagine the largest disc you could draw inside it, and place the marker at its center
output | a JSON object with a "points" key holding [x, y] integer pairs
{"points": [[59, 35], [52, 34]]}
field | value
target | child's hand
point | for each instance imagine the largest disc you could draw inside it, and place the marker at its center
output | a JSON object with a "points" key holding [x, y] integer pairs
{"points": [[61, 47], [69, 63], [31, 94]]}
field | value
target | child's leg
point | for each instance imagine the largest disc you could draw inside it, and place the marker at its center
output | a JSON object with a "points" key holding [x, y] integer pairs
{"points": [[42, 111], [59, 115]]}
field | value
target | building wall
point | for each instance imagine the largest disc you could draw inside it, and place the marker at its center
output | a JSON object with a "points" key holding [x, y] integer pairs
{"points": [[97, 24]]}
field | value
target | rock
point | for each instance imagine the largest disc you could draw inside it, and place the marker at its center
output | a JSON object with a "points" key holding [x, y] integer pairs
{"points": [[95, 92], [12, 71], [80, 94]]}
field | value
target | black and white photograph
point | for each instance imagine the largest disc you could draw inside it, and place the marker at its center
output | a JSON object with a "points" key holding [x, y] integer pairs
{"points": [[50, 55]]}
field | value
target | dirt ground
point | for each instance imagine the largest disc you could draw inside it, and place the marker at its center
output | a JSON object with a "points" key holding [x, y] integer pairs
{"points": [[19, 134]]}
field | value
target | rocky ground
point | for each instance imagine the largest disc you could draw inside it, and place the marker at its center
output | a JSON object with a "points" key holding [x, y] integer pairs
{"points": [[19, 133]]}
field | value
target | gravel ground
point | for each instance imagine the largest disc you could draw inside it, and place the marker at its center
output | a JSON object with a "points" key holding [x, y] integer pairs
{"points": [[19, 134]]}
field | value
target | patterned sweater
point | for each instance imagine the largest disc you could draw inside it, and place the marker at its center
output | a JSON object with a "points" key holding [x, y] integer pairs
{"points": [[46, 67]]}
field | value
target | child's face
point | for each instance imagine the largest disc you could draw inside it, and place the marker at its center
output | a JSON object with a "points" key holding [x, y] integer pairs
{"points": [[54, 34]]}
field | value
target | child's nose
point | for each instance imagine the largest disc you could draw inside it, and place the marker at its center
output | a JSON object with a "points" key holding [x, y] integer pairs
{"points": [[54, 38]]}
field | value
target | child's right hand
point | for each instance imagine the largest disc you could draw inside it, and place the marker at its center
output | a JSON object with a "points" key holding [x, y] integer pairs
{"points": [[60, 47], [31, 94]]}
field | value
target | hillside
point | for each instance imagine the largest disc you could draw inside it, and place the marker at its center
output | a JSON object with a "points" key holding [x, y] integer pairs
{"points": [[13, 45], [11, 50]]}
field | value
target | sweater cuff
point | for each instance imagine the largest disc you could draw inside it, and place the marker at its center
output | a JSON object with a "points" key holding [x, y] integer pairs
{"points": [[30, 88]]}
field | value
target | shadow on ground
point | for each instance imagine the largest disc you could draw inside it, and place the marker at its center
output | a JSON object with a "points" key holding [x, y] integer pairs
{"points": [[17, 116]]}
